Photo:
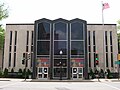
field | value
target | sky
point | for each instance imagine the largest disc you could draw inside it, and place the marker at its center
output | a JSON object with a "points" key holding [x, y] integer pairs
{"points": [[27, 11]]}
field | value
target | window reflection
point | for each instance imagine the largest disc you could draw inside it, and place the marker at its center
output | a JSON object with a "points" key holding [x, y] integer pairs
{"points": [[60, 32], [58, 64], [44, 31], [77, 31], [77, 48], [43, 47], [60, 45]]}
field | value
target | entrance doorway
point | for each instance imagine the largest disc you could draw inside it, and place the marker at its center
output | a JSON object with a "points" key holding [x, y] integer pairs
{"points": [[42, 72], [77, 72], [60, 69]]}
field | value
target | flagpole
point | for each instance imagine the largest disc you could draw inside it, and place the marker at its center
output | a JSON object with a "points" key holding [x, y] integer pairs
{"points": [[103, 35], [102, 14]]}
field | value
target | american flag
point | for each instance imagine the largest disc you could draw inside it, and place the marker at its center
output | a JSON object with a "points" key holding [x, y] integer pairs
{"points": [[105, 6]]}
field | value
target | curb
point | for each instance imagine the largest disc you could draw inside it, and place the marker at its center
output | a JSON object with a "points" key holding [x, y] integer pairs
{"points": [[37, 80]]}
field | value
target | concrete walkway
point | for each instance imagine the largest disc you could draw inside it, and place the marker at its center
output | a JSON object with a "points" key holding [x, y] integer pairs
{"points": [[38, 80]]}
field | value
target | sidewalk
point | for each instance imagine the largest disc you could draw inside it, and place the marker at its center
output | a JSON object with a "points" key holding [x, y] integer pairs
{"points": [[106, 80], [14, 79], [38, 80]]}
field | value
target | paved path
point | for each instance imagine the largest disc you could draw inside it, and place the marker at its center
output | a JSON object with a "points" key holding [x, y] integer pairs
{"points": [[19, 84]]}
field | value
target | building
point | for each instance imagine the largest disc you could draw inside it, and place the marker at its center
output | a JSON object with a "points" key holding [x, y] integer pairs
{"points": [[61, 49]]}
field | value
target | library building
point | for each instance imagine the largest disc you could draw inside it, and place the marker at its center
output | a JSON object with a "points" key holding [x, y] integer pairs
{"points": [[60, 49]]}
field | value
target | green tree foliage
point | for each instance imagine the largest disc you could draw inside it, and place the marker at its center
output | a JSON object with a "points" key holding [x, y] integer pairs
{"points": [[2, 33], [3, 12], [118, 24], [3, 15]]}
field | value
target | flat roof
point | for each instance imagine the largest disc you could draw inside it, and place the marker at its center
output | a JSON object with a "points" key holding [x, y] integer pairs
{"points": [[33, 24]]}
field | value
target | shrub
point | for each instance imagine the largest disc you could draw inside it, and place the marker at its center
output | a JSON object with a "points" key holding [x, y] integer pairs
{"points": [[12, 70], [101, 73], [109, 74], [20, 73], [91, 73], [5, 72], [1, 73]]}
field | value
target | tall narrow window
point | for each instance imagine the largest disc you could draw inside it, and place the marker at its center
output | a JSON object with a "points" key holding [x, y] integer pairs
{"points": [[89, 48], [27, 37], [10, 49], [27, 41], [77, 31], [111, 48], [89, 59], [10, 37], [106, 48], [94, 48], [93, 37], [106, 59], [31, 59], [15, 43], [32, 38], [27, 45], [110, 37], [9, 64], [111, 59], [94, 60], [14, 64], [88, 37], [106, 38], [15, 37], [32, 48]]}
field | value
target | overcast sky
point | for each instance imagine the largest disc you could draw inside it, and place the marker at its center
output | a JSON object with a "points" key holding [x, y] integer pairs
{"points": [[27, 11]]}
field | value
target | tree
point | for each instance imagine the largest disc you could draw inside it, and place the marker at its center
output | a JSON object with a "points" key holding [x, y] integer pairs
{"points": [[118, 24], [3, 12], [2, 33], [3, 15]]}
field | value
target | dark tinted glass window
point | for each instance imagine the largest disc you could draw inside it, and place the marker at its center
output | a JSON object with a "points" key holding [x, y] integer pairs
{"points": [[94, 59], [9, 60], [15, 37], [10, 48], [88, 37], [10, 37], [27, 38], [111, 59], [43, 47], [93, 37], [89, 48], [26, 48], [89, 59], [105, 37], [14, 48], [32, 38], [60, 45], [94, 48], [60, 32], [44, 31], [14, 60], [110, 37], [106, 48], [77, 48], [77, 31], [111, 48], [106, 59]]}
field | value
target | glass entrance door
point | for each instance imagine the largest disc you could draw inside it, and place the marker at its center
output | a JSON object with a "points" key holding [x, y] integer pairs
{"points": [[42, 72], [60, 69], [77, 72]]}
